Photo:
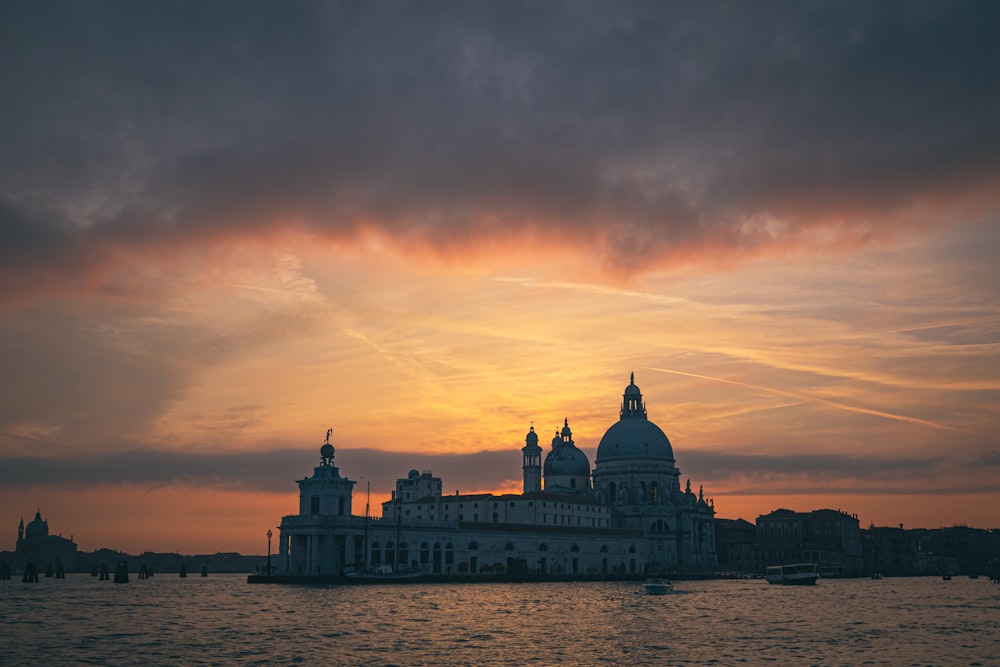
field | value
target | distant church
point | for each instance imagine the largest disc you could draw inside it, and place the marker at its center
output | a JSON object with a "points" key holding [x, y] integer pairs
{"points": [[629, 516], [35, 545]]}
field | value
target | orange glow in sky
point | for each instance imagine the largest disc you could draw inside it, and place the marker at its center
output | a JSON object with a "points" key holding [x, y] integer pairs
{"points": [[201, 274]]}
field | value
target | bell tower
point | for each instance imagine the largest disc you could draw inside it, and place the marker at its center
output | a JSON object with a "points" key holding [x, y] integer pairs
{"points": [[532, 457]]}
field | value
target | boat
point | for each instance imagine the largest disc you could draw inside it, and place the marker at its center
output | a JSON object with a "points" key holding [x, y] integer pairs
{"points": [[798, 574], [657, 587]]}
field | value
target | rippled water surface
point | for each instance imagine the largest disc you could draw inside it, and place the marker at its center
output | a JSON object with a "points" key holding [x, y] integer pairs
{"points": [[222, 620]]}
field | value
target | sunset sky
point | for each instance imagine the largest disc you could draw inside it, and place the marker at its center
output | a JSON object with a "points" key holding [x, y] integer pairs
{"points": [[228, 226]]}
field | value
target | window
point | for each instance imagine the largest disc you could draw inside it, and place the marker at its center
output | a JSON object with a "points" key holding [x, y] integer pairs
{"points": [[314, 505]]}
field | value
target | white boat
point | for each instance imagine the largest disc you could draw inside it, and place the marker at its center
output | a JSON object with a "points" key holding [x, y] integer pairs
{"points": [[799, 574], [657, 587]]}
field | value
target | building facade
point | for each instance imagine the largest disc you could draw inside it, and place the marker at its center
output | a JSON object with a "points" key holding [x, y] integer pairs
{"points": [[829, 538], [629, 516]]}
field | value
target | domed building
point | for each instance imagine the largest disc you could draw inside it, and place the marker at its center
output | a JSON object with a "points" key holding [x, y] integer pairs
{"points": [[567, 469], [635, 473], [627, 517], [35, 545]]}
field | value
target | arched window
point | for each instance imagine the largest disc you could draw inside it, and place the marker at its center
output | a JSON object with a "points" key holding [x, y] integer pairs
{"points": [[631, 549], [642, 492], [613, 492], [425, 553], [574, 548], [404, 554], [449, 554], [509, 546], [376, 553], [654, 492], [604, 548], [659, 526], [543, 547], [473, 546]]}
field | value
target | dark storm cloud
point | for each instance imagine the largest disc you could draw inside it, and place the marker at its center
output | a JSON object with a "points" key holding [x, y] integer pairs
{"points": [[645, 130], [273, 471]]}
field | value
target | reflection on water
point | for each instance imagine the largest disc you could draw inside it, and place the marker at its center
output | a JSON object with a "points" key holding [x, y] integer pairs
{"points": [[223, 620]]}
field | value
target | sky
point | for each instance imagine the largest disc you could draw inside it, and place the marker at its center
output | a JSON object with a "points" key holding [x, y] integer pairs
{"points": [[226, 227]]}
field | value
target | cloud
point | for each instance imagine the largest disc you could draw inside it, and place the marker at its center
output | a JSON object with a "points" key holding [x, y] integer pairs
{"points": [[644, 134], [267, 471], [723, 465], [275, 470]]}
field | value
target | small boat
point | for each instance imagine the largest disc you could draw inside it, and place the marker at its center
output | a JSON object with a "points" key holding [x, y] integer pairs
{"points": [[798, 574], [657, 587]]}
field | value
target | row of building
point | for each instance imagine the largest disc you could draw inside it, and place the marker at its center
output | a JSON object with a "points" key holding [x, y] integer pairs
{"points": [[628, 516], [835, 540]]}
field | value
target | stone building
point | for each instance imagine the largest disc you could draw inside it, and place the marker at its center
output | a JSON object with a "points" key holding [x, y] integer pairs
{"points": [[628, 516], [829, 538]]}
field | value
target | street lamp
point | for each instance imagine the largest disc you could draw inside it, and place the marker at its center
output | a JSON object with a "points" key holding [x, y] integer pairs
{"points": [[269, 551]]}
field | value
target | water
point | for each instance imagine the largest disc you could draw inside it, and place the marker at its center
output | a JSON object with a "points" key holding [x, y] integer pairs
{"points": [[222, 620]]}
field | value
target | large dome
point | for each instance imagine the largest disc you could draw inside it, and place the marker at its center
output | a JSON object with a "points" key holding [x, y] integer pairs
{"points": [[634, 436], [37, 528]]}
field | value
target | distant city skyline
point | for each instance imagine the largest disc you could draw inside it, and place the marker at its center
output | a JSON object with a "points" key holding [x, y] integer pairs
{"points": [[226, 229]]}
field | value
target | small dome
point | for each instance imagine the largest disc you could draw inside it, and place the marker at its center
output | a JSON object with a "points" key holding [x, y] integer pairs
{"points": [[565, 461], [413, 474], [326, 451], [632, 389], [532, 437]]}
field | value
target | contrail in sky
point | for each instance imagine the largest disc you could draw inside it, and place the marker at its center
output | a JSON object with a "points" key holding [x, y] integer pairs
{"points": [[825, 401]]}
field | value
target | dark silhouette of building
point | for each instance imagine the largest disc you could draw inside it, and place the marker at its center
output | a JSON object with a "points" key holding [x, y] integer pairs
{"points": [[35, 545], [734, 543], [829, 538]]}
